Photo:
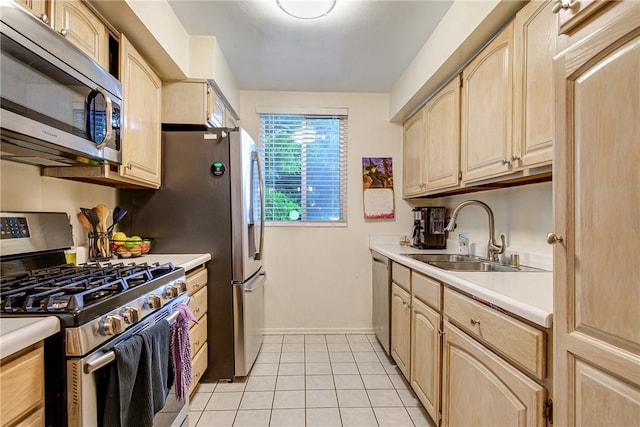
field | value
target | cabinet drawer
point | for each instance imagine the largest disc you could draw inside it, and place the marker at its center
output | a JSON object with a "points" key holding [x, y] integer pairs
{"points": [[198, 303], [199, 366], [401, 275], [426, 289], [21, 385], [198, 335], [196, 280], [521, 343]]}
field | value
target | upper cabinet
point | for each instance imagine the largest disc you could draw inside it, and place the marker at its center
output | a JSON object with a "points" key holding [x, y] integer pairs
{"points": [[39, 8], [534, 46], [487, 93], [498, 127], [141, 126], [74, 20], [192, 103], [413, 146]]}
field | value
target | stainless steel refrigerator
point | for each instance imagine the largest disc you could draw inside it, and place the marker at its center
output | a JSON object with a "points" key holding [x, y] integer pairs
{"points": [[212, 200]]}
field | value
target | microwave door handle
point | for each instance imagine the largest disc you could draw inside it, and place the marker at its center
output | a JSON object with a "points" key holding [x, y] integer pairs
{"points": [[108, 118], [256, 157]]}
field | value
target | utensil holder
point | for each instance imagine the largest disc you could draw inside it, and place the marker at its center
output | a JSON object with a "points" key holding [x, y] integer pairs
{"points": [[99, 247]]}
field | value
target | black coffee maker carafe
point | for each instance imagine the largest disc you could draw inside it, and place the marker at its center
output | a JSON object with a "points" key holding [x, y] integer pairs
{"points": [[429, 228]]}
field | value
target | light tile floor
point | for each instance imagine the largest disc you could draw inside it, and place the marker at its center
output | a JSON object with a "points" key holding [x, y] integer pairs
{"points": [[313, 380]]}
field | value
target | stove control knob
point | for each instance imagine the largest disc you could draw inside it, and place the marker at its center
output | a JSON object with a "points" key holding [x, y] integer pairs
{"points": [[155, 301], [172, 291], [113, 325], [132, 314], [182, 286]]}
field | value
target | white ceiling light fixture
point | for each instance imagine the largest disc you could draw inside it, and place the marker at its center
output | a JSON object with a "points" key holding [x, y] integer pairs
{"points": [[306, 9]]}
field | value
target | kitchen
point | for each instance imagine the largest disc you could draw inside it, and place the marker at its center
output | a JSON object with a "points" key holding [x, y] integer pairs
{"points": [[342, 262]]}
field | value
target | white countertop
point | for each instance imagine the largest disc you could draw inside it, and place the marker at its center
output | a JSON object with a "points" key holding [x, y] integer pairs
{"points": [[525, 294], [17, 333]]}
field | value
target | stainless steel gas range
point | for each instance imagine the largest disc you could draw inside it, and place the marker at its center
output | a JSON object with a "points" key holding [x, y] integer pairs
{"points": [[98, 306]]}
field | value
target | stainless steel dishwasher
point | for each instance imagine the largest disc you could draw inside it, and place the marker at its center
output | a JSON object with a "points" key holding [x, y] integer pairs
{"points": [[381, 273]]}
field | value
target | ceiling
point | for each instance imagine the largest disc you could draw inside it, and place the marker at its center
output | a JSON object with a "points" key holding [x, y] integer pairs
{"points": [[361, 46]]}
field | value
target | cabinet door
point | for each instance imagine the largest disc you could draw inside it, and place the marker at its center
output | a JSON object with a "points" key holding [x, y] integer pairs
{"points": [[215, 112], [426, 350], [37, 7], [400, 328], [442, 140], [83, 28], [481, 389], [413, 145], [487, 95], [184, 102], [141, 95], [596, 188], [533, 50]]}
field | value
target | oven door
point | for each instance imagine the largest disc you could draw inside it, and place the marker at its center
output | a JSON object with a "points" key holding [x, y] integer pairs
{"points": [[86, 384]]}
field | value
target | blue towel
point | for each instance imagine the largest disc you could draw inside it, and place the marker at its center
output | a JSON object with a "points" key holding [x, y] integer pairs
{"points": [[140, 379]]}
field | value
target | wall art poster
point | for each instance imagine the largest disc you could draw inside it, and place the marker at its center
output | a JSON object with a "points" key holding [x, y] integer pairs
{"points": [[377, 185]]}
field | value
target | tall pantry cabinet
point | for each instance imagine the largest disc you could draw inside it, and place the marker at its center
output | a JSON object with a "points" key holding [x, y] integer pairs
{"points": [[597, 216]]}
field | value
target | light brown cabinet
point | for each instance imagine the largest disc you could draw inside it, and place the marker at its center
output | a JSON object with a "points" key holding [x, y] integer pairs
{"points": [[426, 353], [413, 145], [442, 138], [197, 290], [39, 8], [401, 328], [74, 20], [22, 388], [534, 46], [487, 95], [191, 103], [481, 389], [141, 125], [596, 187]]}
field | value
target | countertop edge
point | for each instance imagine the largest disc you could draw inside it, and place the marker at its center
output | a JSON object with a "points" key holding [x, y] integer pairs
{"points": [[540, 316], [30, 331]]}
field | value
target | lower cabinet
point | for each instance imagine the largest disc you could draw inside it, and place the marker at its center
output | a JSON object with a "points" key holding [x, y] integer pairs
{"points": [[22, 388], [401, 328], [197, 290], [426, 350], [481, 389]]}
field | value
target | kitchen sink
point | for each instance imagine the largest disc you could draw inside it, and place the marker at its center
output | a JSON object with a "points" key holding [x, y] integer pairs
{"points": [[455, 262]]}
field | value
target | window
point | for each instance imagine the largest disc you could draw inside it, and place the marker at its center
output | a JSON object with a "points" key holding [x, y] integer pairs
{"points": [[305, 159]]}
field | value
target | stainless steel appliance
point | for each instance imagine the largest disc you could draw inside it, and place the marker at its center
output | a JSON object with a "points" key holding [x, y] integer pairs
{"points": [[59, 107], [99, 306], [381, 273], [429, 230], [211, 200]]}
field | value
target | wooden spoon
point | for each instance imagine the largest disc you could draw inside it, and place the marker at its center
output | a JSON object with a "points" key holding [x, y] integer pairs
{"points": [[103, 213], [84, 221]]}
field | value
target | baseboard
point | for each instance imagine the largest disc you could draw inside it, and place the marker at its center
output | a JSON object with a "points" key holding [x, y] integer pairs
{"points": [[318, 331]]}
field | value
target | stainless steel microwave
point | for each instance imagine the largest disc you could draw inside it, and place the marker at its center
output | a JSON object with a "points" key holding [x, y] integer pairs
{"points": [[59, 107]]}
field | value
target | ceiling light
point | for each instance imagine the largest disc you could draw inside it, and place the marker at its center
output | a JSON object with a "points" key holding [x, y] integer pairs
{"points": [[306, 9]]}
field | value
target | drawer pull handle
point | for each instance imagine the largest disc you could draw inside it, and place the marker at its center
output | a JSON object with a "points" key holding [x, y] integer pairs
{"points": [[474, 322]]}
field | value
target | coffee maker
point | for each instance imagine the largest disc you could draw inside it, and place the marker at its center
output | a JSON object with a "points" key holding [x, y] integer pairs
{"points": [[429, 228]]}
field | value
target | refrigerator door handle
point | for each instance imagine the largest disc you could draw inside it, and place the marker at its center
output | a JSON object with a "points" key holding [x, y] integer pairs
{"points": [[255, 156]]}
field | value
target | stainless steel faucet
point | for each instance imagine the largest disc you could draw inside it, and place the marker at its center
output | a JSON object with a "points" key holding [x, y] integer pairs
{"points": [[493, 249]]}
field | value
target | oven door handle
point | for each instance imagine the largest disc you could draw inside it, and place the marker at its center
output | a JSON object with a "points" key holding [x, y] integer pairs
{"points": [[110, 356]]}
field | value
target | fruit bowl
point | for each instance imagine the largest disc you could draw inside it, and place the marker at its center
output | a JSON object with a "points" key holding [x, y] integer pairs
{"points": [[130, 247]]}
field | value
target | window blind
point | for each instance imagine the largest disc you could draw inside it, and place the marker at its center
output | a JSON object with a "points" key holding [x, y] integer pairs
{"points": [[305, 159]]}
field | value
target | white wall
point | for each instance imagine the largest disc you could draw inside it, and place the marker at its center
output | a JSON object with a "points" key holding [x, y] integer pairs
{"points": [[523, 214], [23, 189], [319, 279]]}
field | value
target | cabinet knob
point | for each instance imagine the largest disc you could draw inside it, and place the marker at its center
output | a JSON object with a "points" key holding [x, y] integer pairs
{"points": [[504, 161], [63, 32], [44, 18], [553, 238], [129, 166], [474, 322], [562, 4], [514, 158]]}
